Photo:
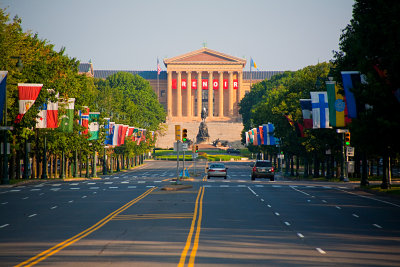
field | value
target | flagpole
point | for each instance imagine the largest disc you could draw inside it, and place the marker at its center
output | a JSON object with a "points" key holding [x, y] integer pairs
{"points": [[251, 76]]}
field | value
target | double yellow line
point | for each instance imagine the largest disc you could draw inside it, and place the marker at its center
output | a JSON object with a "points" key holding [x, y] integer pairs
{"points": [[195, 226], [45, 254], [153, 216]]}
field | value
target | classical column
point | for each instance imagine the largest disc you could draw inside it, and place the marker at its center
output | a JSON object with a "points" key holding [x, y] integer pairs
{"points": [[179, 95], [189, 95], [169, 95], [230, 94], [199, 96], [239, 90], [210, 95], [221, 95]]}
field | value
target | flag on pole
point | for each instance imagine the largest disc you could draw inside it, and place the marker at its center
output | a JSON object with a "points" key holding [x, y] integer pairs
{"points": [[27, 95], [259, 135], [94, 125], [115, 134], [320, 109], [107, 123], [306, 109], [139, 136], [247, 138], [350, 80], [67, 118], [48, 114], [158, 67], [252, 63], [268, 130], [3, 82], [84, 119], [336, 105]]}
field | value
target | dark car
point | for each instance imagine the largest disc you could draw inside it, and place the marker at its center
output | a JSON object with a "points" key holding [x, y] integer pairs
{"points": [[216, 169], [233, 151], [263, 169]]}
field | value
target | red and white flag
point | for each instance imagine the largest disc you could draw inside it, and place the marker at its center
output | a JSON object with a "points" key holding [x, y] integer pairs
{"points": [[158, 67], [27, 95], [48, 115], [84, 119]]}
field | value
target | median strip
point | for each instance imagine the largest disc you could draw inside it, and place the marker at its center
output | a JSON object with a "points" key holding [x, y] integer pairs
{"points": [[45, 254]]}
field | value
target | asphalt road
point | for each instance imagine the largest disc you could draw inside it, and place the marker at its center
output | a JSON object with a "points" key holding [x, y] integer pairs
{"points": [[126, 220]]}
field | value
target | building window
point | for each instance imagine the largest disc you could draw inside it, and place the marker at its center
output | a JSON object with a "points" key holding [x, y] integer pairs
{"points": [[162, 92]]}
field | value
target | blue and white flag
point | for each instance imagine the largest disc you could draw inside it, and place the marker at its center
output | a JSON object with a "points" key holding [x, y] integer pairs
{"points": [[320, 109], [268, 130], [108, 140], [350, 79], [3, 80]]}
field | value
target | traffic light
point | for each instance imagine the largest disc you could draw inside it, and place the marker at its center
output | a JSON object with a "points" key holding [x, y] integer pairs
{"points": [[196, 149], [347, 138], [177, 133], [184, 135]]}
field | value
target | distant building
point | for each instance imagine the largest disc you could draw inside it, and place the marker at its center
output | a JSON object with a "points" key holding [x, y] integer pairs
{"points": [[200, 79]]}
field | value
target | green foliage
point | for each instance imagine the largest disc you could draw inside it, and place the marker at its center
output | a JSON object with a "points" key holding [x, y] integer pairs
{"points": [[371, 46]]}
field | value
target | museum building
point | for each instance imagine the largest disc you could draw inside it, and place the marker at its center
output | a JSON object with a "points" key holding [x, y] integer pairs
{"points": [[201, 79]]}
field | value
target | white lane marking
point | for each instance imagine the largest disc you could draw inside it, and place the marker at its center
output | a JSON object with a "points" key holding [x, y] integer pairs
{"points": [[269, 206], [150, 186], [15, 190], [324, 201], [54, 207], [276, 186], [91, 183], [308, 200], [355, 215], [25, 198], [320, 251], [4, 203], [252, 191], [259, 185], [300, 235], [339, 208], [70, 201], [4, 225], [36, 189], [74, 188], [74, 184], [132, 186], [124, 182], [141, 182], [224, 186], [300, 191], [382, 201], [94, 187], [39, 185], [241, 185], [287, 223], [207, 185], [277, 214], [32, 215], [377, 226], [108, 182], [56, 185], [113, 187], [262, 200], [84, 196], [55, 189]]}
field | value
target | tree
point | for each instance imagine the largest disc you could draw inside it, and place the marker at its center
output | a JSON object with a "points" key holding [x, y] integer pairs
{"points": [[369, 44]]}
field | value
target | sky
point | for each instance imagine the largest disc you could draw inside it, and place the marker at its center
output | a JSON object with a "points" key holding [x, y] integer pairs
{"points": [[132, 34]]}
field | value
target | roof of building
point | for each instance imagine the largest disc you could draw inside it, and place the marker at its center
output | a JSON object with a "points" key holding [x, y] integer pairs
{"points": [[152, 74], [84, 67]]}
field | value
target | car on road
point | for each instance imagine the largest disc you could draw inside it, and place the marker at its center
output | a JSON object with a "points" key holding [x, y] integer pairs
{"points": [[262, 169], [233, 151], [217, 170]]}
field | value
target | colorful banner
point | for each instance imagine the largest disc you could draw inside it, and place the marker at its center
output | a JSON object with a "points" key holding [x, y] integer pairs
{"points": [[336, 105], [27, 95], [94, 125], [306, 110], [320, 109], [67, 117], [350, 80], [48, 114], [3, 83]]}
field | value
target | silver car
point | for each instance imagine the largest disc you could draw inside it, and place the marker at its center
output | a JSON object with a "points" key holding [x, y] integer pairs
{"points": [[216, 169]]}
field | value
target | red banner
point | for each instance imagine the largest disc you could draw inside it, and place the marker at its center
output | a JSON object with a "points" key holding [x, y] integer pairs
{"points": [[204, 83], [235, 84], [194, 84], [174, 84], [184, 84], [215, 84], [225, 84]]}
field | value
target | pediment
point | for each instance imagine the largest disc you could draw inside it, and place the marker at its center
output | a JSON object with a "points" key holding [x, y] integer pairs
{"points": [[205, 56]]}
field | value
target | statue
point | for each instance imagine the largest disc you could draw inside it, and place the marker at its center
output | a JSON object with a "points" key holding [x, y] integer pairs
{"points": [[203, 136]]}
